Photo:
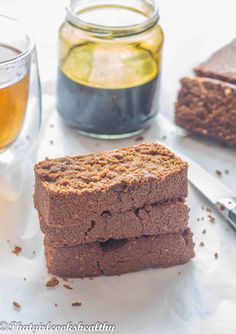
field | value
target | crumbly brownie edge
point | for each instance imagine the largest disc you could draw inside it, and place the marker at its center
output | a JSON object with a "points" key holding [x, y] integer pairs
{"points": [[207, 107], [168, 217], [41, 198], [120, 257]]}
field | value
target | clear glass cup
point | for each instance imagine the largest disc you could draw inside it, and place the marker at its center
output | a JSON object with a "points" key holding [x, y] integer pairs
{"points": [[20, 92]]}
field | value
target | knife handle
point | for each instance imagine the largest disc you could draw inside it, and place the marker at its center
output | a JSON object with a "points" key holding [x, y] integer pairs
{"points": [[227, 207]]}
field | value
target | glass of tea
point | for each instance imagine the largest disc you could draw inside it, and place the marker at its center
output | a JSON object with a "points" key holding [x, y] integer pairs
{"points": [[20, 93]]}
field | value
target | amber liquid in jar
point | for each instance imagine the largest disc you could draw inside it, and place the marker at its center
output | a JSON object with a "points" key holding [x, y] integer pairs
{"points": [[109, 87], [13, 101]]}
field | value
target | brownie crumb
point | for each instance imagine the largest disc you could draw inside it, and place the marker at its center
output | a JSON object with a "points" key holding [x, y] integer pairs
{"points": [[204, 231], [51, 142], [208, 210], [91, 278], [212, 219], [216, 255], [16, 305], [198, 219], [53, 281], [202, 218], [222, 207], [179, 272], [218, 172], [55, 304], [140, 138], [164, 137], [24, 278], [226, 171], [17, 250], [201, 244], [67, 286], [65, 279], [76, 304]]}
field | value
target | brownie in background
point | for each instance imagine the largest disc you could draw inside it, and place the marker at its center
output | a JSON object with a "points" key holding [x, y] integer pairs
{"points": [[206, 104]]}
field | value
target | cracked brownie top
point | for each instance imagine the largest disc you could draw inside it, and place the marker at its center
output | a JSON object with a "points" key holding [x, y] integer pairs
{"points": [[102, 170]]}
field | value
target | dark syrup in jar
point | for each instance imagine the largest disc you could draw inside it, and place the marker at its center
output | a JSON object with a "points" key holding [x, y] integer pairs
{"points": [[106, 111]]}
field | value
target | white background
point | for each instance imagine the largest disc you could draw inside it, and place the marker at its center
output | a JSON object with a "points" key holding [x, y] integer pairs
{"points": [[200, 300]]}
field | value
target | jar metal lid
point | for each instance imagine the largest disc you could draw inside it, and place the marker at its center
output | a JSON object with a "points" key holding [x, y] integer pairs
{"points": [[105, 31]]}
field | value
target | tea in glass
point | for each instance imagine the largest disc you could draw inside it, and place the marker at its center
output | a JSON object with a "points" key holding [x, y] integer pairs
{"points": [[13, 100], [20, 93]]}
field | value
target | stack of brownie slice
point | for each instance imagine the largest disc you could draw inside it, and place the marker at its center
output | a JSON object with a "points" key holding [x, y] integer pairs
{"points": [[114, 212], [206, 103]]}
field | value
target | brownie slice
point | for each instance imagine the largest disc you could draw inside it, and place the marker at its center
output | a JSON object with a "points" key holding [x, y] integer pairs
{"points": [[168, 217], [208, 107], [115, 257], [84, 188], [221, 65]]}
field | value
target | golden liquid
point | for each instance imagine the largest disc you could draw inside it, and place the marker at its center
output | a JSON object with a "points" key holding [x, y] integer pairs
{"points": [[13, 101]]}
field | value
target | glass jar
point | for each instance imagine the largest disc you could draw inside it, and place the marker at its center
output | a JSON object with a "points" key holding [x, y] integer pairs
{"points": [[109, 66]]}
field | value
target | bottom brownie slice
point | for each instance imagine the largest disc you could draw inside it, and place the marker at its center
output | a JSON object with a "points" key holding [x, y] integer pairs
{"points": [[207, 107], [115, 257]]}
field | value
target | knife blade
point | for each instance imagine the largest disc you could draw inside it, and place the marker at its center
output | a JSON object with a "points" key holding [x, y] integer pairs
{"points": [[206, 183], [214, 190]]}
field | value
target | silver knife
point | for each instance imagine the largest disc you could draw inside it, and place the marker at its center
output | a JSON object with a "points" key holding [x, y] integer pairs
{"points": [[216, 192]]}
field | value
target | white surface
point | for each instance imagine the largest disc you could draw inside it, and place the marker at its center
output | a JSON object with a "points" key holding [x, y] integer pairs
{"points": [[202, 299]]}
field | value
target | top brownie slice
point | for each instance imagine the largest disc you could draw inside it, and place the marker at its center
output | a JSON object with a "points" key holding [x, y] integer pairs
{"points": [[221, 65], [82, 188]]}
